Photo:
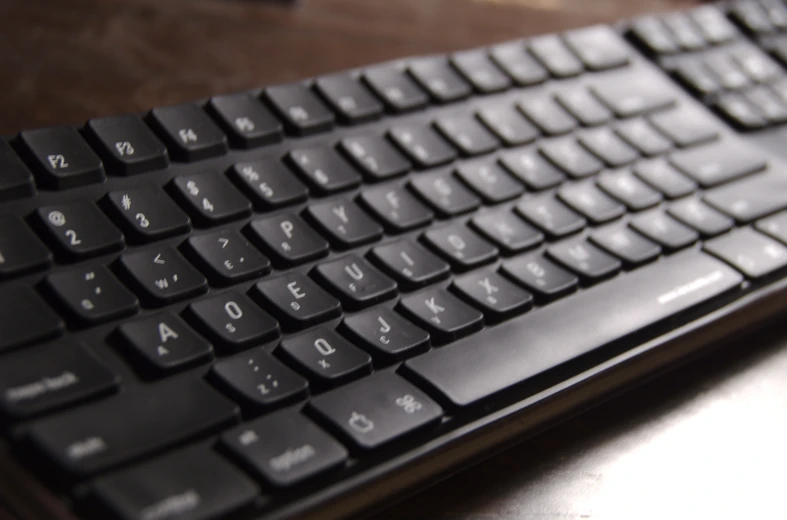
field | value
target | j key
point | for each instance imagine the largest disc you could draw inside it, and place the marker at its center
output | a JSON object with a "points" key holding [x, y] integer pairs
{"points": [[422, 145], [344, 223], [227, 257], [629, 190], [61, 157], [490, 181], [16, 181], [517, 63], [395, 88], [593, 203], [686, 126], [188, 132], [127, 144], [288, 239], [164, 343], [259, 381], [269, 447], [28, 320], [775, 226], [467, 135], [508, 125], [639, 134], [664, 230], [555, 56], [713, 25], [539, 275], [654, 35], [374, 156], [460, 246], [587, 109], [701, 217], [753, 254], [324, 170], [297, 301], [45, 378], [507, 231], [91, 295], [727, 70], [326, 357], [385, 334], [198, 480], [719, 162], [478, 69], [548, 116], [348, 98], [396, 207], [550, 216], [659, 174], [161, 275], [103, 435], [247, 122], [356, 283], [570, 157], [532, 168], [79, 230], [269, 183], [445, 317], [410, 264], [210, 198], [741, 112], [632, 248], [437, 77], [445, 194], [232, 321], [599, 47], [591, 263], [768, 103], [608, 147], [495, 296], [750, 199], [376, 410], [301, 109], [684, 31], [147, 213], [20, 250], [635, 94]]}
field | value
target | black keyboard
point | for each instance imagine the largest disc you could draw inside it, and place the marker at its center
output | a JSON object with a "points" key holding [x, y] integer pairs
{"points": [[312, 298]]}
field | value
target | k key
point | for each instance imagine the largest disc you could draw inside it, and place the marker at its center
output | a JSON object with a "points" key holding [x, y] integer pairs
{"points": [[442, 314]]}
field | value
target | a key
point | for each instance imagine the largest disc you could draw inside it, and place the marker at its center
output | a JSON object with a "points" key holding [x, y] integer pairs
{"points": [[442, 314], [703, 218], [490, 181], [374, 156], [61, 158], [642, 136], [301, 110], [599, 47], [127, 144], [356, 283], [507, 231], [508, 125], [651, 32], [146, 213], [635, 94], [686, 34], [210, 198], [729, 73], [591, 202], [659, 174], [608, 147], [750, 199], [100, 436], [287, 239], [323, 169], [191, 483], [740, 112], [713, 25], [775, 226], [46, 378], [326, 357], [750, 252], [409, 264], [570, 157], [163, 343], [495, 296], [540, 276], [629, 190], [591, 263], [226, 257], [161, 275], [248, 122], [422, 145], [16, 181], [664, 230], [686, 126], [376, 410], [550, 216], [348, 98], [344, 223], [476, 67], [28, 320], [467, 134], [91, 294], [396, 207], [547, 114], [586, 108], [697, 77], [232, 322], [296, 301], [20, 250], [532, 168], [460, 246], [445, 194], [768, 103], [555, 56], [518, 63], [189, 132], [79, 230], [385, 334], [284, 449], [719, 162], [630, 247], [259, 381], [269, 183], [395, 88], [436, 76]]}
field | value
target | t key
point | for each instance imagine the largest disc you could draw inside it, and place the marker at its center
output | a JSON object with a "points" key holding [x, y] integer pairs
{"points": [[161, 275], [92, 294], [79, 230]]}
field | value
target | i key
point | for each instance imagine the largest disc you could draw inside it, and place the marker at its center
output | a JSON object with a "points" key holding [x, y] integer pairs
{"points": [[385, 334], [210, 198], [161, 275], [147, 213], [410, 264], [128, 144], [326, 357], [296, 301], [227, 257], [345, 223], [61, 157], [288, 239], [79, 230], [233, 322], [91, 295], [355, 282], [442, 314], [190, 134]]}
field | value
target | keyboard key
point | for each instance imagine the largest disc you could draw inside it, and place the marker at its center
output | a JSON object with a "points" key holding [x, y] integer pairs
{"points": [[653, 34], [508, 125], [697, 77], [127, 144], [659, 174], [301, 110], [492, 294], [701, 217], [507, 231], [666, 231], [422, 145], [550, 216], [467, 134], [345, 224], [324, 170], [591, 263], [749, 252], [396, 207], [555, 56], [409, 264], [593, 203], [686, 34], [634, 94], [490, 181], [288, 239], [79, 230], [713, 25], [247, 122], [768, 103], [540, 276], [385, 334], [437, 77], [161, 275], [210, 198], [547, 115], [375, 157], [608, 147], [28, 320], [20, 250], [16, 181], [587, 109], [445, 194], [100, 436], [395, 88], [757, 64], [460, 246], [532, 168], [775, 226], [146, 213], [740, 112], [356, 283], [348, 98], [227, 257], [750, 199], [284, 449], [61, 158], [376, 410], [628, 189], [269, 183], [91, 294], [188, 132], [718, 162], [570, 157], [686, 126], [476, 67], [730, 75], [445, 317], [517, 63], [296, 301], [639, 134], [632, 248], [45, 378], [233, 322], [326, 357], [599, 47], [776, 12]]}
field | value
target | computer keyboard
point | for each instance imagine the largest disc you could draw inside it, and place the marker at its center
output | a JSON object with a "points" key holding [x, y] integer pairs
{"points": [[309, 299]]}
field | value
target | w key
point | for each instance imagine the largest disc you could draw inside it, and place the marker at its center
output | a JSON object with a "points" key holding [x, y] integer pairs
{"points": [[79, 230], [162, 275]]}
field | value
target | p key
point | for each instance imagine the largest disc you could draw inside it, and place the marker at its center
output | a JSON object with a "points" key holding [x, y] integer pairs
{"points": [[288, 239]]}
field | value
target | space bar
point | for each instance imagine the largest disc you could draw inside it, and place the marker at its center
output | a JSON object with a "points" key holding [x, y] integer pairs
{"points": [[501, 357]]}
